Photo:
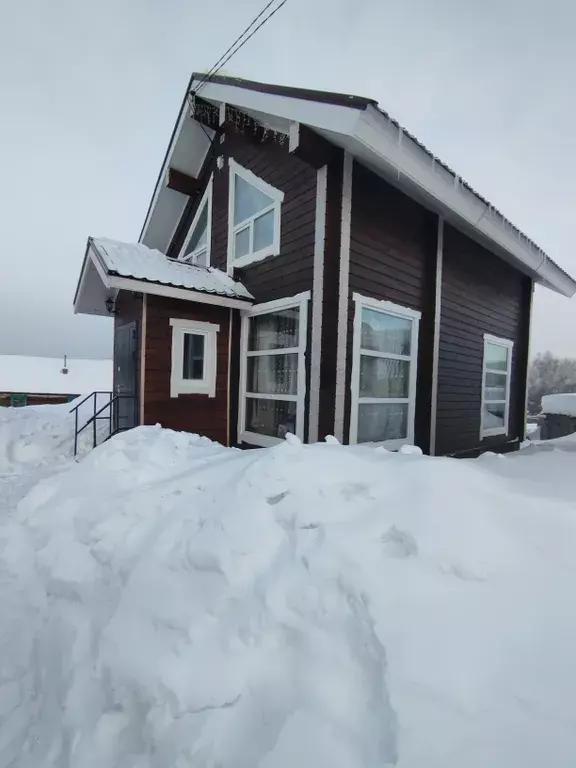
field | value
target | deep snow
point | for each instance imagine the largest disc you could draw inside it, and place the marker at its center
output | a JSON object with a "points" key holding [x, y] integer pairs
{"points": [[169, 602]]}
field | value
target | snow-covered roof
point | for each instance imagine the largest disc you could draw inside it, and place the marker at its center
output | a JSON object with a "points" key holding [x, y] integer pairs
{"points": [[42, 375], [134, 260], [563, 404]]}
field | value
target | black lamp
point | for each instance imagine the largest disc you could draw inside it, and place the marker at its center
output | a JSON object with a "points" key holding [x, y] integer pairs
{"points": [[110, 305]]}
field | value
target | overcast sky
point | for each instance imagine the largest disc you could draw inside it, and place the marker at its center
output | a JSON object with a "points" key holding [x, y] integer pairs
{"points": [[90, 92]]}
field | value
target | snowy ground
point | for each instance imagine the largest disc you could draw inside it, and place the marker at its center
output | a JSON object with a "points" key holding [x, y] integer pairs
{"points": [[169, 602]]}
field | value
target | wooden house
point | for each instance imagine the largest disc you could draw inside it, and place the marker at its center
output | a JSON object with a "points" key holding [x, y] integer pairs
{"points": [[308, 266]]}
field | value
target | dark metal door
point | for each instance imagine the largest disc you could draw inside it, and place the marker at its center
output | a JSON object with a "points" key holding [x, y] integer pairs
{"points": [[125, 351]]}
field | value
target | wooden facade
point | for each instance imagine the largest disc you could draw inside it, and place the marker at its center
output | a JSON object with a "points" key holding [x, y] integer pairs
{"points": [[395, 253]]}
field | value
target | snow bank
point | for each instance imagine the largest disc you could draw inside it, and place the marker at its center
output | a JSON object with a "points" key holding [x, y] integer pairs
{"points": [[169, 602], [561, 404]]}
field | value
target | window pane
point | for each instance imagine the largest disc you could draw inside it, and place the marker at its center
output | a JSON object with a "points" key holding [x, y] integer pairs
{"points": [[193, 364], [248, 200], [382, 377], [494, 415], [495, 388], [275, 330], [263, 231], [199, 236], [242, 243], [273, 374], [270, 417], [382, 421], [385, 333], [496, 356]]}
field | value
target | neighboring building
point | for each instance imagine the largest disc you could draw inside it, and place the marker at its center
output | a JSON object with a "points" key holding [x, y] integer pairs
{"points": [[41, 380], [558, 415], [307, 266]]}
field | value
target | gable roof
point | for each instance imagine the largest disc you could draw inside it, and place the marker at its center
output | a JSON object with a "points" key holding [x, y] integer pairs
{"points": [[21, 374], [359, 126]]}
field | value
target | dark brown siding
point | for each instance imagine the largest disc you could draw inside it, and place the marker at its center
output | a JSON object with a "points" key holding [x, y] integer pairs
{"points": [[192, 413], [393, 258], [480, 294]]}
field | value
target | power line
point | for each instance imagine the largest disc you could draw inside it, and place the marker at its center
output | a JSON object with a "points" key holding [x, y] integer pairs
{"points": [[227, 55]]}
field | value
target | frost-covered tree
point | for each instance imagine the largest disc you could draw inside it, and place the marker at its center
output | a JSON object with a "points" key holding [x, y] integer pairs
{"points": [[548, 375]]}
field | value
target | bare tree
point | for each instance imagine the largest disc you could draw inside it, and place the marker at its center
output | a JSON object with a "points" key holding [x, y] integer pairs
{"points": [[548, 375]]}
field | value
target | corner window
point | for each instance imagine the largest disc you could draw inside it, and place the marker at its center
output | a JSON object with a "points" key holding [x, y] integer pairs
{"points": [[384, 366], [273, 377], [196, 248], [253, 217], [193, 358], [496, 386]]}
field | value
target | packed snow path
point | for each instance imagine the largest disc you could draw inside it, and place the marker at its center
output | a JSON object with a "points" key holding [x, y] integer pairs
{"points": [[169, 602]]}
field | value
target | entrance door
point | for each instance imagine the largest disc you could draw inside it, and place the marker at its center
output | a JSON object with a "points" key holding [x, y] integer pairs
{"points": [[125, 351]]}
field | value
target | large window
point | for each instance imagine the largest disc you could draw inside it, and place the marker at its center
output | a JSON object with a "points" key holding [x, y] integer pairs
{"points": [[196, 248], [273, 371], [193, 358], [253, 217], [496, 386], [383, 373]]}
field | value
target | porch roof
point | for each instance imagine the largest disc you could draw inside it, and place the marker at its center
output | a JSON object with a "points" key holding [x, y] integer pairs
{"points": [[111, 266]]}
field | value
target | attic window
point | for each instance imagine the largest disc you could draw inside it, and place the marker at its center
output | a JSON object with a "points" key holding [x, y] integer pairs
{"points": [[253, 218], [196, 248]]}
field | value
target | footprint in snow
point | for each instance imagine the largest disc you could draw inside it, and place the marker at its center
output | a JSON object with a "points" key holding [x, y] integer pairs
{"points": [[399, 544]]}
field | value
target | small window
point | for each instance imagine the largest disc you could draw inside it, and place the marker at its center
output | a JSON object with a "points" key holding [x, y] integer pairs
{"points": [[193, 358], [196, 248], [273, 372], [383, 373], [496, 386], [253, 217]]}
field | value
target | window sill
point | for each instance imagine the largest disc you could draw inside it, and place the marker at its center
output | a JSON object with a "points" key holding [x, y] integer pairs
{"points": [[252, 258], [262, 441], [493, 432], [186, 389]]}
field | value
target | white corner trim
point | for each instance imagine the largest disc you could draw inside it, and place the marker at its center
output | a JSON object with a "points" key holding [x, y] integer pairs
{"points": [[294, 137], [300, 300], [206, 200], [206, 385], [222, 113], [343, 291], [143, 331], [365, 302], [436, 344], [509, 345], [317, 303]]}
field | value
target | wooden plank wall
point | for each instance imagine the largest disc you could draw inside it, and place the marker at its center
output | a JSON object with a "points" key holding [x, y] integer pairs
{"points": [[393, 258], [192, 413], [480, 294]]}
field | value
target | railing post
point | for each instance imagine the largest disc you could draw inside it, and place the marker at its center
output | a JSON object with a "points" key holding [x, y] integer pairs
{"points": [[94, 422], [110, 415], [75, 431]]}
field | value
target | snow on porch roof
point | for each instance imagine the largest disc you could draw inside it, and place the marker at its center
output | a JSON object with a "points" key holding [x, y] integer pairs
{"points": [[137, 261]]}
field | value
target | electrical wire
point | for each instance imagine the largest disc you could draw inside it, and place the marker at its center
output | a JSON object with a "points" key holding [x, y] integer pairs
{"points": [[227, 55]]}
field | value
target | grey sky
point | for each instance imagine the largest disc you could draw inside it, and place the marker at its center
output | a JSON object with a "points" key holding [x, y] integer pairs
{"points": [[90, 91]]}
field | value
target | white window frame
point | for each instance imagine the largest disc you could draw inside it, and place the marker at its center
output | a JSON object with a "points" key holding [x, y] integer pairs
{"points": [[509, 345], [206, 201], [277, 197], [388, 308], [300, 301], [206, 385]]}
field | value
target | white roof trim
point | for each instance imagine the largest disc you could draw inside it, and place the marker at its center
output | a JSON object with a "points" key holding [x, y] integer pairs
{"points": [[380, 143]]}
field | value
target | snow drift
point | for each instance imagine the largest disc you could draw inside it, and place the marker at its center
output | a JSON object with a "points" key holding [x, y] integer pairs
{"points": [[169, 602]]}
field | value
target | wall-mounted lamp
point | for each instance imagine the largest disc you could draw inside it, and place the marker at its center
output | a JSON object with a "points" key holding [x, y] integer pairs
{"points": [[110, 308]]}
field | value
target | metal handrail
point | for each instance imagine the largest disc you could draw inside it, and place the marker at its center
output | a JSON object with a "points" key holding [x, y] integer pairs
{"points": [[113, 414]]}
